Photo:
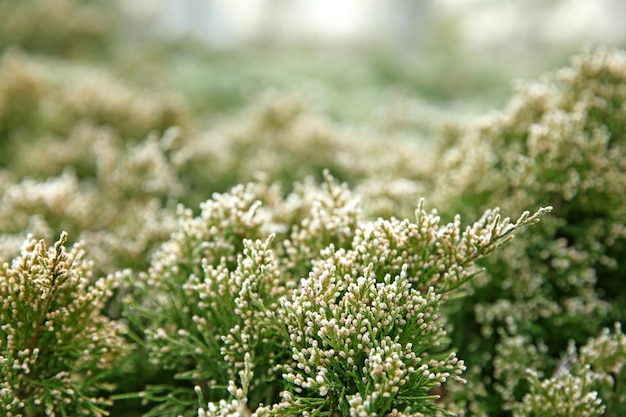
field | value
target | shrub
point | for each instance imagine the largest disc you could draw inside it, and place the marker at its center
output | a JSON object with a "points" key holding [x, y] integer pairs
{"points": [[559, 141], [55, 345], [285, 296], [71, 29], [321, 313]]}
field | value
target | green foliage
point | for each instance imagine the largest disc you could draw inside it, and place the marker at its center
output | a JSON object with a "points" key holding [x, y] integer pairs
{"points": [[585, 383], [62, 27], [307, 284], [560, 141], [55, 345], [565, 395], [120, 213], [44, 100], [359, 335]]}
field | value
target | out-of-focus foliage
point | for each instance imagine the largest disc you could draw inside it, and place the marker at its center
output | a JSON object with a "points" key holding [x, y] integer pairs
{"points": [[42, 102], [65, 28]]}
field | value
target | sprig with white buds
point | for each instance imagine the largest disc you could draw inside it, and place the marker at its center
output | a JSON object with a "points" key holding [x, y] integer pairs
{"points": [[364, 328], [55, 345]]}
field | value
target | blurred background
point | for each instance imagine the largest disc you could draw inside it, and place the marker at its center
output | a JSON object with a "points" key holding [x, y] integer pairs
{"points": [[395, 23], [459, 54], [396, 64]]}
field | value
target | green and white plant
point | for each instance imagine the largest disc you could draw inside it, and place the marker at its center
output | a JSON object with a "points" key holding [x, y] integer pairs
{"points": [[226, 304], [56, 347]]}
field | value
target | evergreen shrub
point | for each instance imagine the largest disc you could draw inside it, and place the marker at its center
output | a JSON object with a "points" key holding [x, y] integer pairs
{"points": [[278, 262]]}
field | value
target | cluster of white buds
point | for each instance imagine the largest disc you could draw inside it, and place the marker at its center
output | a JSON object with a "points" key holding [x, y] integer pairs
{"points": [[53, 331]]}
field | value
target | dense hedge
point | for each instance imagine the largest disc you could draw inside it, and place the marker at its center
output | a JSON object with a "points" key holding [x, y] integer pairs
{"points": [[279, 262]]}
